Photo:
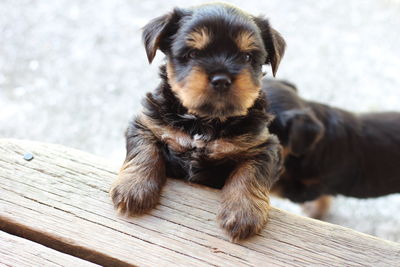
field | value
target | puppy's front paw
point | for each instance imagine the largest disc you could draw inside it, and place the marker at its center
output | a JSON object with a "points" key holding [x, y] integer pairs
{"points": [[243, 218], [133, 196]]}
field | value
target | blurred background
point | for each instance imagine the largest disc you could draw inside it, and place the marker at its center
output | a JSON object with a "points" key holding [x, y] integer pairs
{"points": [[73, 72]]}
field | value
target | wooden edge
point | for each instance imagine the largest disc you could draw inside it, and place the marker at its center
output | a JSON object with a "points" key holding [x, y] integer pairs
{"points": [[186, 216], [16, 251], [61, 246]]}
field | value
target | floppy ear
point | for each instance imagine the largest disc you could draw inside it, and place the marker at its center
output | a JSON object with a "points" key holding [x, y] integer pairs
{"points": [[157, 33], [304, 130], [273, 42]]}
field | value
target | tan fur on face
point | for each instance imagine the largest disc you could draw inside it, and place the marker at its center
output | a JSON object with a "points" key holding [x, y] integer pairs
{"points": [[245, 203], [245, 91], [199, 38], [246, 41], [192, 91]]}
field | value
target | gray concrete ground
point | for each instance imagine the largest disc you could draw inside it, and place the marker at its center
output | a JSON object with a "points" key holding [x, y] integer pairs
{"points": [[73, 72]]}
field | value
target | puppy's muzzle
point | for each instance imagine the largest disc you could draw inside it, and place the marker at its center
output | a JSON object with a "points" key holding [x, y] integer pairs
{"points": [[221, 82]]}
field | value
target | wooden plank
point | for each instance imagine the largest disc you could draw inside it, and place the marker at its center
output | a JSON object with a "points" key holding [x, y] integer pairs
{"points": [[60, 198], [16, 251]]}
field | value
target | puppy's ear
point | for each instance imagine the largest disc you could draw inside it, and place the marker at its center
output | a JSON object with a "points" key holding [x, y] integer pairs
{"points": [[157, 33], [304, 130], [273, 42]]}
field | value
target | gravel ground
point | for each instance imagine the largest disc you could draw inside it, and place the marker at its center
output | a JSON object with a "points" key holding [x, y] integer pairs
{"points": [[73, 72]]}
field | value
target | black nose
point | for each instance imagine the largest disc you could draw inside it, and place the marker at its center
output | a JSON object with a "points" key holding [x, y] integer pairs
{"points": [[221, 82]]}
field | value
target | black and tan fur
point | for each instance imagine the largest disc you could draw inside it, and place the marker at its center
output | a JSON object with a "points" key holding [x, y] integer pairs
{"points": [[330, 151], [207, 121]]}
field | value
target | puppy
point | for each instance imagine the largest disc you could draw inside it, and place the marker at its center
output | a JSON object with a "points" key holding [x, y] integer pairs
{"points": [[207, 120], [330, 151]]}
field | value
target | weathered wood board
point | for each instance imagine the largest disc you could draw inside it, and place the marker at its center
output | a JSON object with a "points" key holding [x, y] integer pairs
{"points": [[60, 199], [17, 251]]}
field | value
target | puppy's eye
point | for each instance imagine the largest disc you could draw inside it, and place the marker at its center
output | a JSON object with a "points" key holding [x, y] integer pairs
{"points": [[192, 54], [248, 57]]}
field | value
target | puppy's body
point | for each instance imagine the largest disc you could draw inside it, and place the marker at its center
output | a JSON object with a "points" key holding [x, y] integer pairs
{"points": [[331, 151], [207, 121], [204, 150]]}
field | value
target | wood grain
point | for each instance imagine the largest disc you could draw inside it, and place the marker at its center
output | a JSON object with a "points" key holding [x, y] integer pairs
{"points": [[16, 251], [60, 199]]}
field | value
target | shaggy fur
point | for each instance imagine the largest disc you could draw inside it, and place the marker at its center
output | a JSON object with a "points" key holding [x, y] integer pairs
{"points": [[207, 121], [330, 151]]}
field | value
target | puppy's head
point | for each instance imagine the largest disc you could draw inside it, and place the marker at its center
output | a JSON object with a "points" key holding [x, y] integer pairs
{"points": [[215, 54], [300, 132], [303, 130]]}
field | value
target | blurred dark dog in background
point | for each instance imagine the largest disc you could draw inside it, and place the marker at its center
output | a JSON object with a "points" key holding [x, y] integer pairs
{"points": [[207, 121], [330, 151]]}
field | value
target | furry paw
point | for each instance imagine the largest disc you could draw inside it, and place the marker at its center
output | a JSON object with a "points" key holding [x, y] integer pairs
{"points": [[244, 218], [318, 208], [135, 196]]}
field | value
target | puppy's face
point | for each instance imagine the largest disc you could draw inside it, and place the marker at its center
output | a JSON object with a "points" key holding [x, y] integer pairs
{"points": [[296, 123], [214, 55]]}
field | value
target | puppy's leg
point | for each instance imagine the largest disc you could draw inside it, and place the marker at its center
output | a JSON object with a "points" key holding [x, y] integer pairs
{"points": [[245, 200], [318, 208], [140, 180]]}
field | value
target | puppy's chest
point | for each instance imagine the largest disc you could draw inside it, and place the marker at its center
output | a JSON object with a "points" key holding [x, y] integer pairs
{"points": [[202, 145], [206, 147], [197, 145]]}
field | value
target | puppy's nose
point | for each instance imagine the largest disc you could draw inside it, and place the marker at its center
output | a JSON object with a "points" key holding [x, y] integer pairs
{"points": [[221, 82]]}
